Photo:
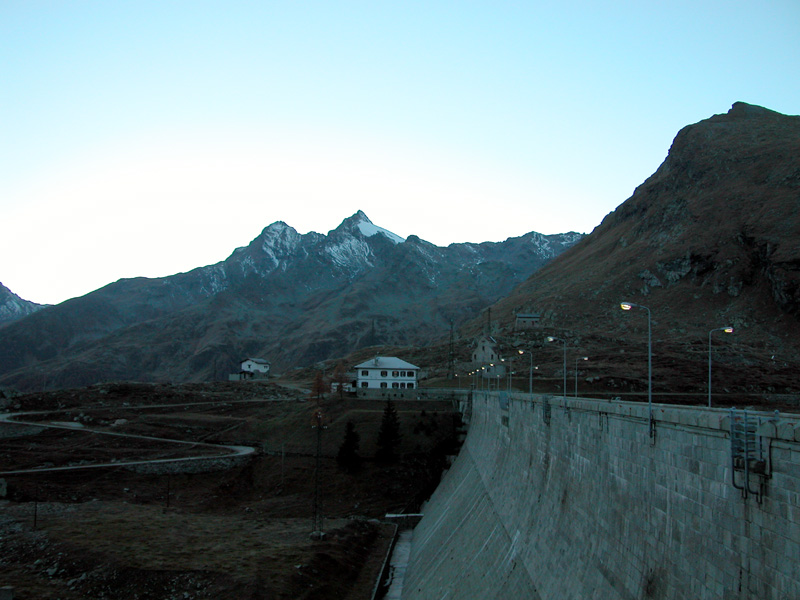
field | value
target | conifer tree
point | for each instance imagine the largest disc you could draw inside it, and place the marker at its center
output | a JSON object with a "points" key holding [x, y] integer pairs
{"points": [[388, 435], [348, 457]]}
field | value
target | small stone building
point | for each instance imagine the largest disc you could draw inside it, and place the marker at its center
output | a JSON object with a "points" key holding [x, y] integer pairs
{"points": [[527, 321]]}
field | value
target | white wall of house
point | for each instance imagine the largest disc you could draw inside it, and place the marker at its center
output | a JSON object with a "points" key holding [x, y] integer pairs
{"points": [[254, 365], [485, 351], [387, 372]]}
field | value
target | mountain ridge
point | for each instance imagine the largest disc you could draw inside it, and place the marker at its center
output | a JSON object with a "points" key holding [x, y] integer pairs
{"points": [[294, 298], [712, 238]]}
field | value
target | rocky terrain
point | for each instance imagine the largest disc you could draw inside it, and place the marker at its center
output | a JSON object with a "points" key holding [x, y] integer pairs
{"points": [[711, 239], [12, 307], [238, 532], [292, 299]]}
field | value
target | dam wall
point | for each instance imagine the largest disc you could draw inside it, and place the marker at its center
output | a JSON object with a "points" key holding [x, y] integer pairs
{"points": [[557, 498]]}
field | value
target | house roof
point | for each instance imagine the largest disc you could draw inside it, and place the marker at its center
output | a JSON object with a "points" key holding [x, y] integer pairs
{"points": [[258, 361], [386, 362]]}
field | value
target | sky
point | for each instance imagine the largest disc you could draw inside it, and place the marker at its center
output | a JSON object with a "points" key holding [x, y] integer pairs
{"points": [[144, 138]]}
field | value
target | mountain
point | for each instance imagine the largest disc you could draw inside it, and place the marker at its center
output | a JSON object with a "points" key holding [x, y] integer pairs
{"points": [[12, 307], [290, 298], [712, 238]]}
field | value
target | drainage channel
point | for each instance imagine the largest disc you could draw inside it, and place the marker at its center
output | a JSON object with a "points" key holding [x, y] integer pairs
{"points": [[398, 564]]}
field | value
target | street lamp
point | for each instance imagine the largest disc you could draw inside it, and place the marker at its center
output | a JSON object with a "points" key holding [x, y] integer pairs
{"points": [[530, 373], [555, 339], [628, 306], [576, 372], [726, 329]]}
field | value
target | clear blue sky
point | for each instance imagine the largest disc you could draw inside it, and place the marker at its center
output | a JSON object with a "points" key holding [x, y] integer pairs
{"points": [[148, 138]]}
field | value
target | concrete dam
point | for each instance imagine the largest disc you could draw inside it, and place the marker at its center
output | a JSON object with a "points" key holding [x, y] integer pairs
{"points": [[557, 498]]}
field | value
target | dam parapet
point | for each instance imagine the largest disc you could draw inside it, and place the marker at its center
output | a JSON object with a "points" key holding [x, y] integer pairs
{"points": [[558, 498]]}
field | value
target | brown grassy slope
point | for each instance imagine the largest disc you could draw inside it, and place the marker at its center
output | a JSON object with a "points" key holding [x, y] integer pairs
{"points": [[711, 238]]}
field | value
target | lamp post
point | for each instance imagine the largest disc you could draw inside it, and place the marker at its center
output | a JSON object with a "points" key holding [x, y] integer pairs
{"points": [[726, 329], [530, 373], [628, 306], [576, 372], [555, 339]]}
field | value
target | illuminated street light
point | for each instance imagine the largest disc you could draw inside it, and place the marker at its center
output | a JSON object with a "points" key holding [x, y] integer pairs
{"points": [[576, 372], [555, 339], [628, 306], [726, 329]]}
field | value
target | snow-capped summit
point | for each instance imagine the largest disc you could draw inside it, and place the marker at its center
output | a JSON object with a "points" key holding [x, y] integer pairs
{"points": [[368, 228], [361, 222]]}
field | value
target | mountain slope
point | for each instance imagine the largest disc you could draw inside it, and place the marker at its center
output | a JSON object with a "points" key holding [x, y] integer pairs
{"points": [[712, 238], [294, 299], [12, 307]]}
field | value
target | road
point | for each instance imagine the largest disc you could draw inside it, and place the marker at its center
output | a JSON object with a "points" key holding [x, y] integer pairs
{"points": [[225, 451]]}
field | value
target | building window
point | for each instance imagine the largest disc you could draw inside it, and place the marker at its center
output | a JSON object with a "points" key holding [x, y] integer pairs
{"points": [[383, 384], [364, 384], [384, 373], [395, 373], [410, 385], [395, 385]]}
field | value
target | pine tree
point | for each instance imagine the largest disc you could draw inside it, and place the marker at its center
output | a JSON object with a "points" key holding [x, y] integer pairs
{"points": [[388, 435], [348, 457]]}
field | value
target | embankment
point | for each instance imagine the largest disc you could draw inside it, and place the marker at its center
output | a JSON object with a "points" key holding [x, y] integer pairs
{"points": [[557, 499]]}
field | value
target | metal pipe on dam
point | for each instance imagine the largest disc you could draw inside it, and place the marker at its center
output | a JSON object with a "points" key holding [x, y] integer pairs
{"points": [[557, 499]]}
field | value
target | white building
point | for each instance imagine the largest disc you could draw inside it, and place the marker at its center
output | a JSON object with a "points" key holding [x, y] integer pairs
{"points": [[251, 368], [387, 372], [255, 365], [486, 357]]}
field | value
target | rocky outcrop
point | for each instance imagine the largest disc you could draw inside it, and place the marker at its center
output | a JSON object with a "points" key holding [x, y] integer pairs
{"points": [[12, 307]]}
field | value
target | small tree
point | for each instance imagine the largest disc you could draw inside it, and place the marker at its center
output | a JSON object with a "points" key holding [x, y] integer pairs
{"points": [[340, 378], [388, 435], [319, 388], [348, 457]]}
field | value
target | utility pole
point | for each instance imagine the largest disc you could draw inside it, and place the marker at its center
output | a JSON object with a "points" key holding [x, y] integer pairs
{"points": [[451, 367], [316, 528]]}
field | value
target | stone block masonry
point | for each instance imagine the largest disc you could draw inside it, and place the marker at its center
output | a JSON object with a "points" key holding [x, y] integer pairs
{"points": [[556, 499]]}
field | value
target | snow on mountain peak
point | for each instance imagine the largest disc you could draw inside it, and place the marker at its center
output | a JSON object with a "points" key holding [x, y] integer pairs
{"points": [[368, 229]]}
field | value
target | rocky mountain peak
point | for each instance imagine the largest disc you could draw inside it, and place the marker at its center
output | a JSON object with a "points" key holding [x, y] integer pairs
{"points": [[742, 110], [12, 307], [361, 226]]}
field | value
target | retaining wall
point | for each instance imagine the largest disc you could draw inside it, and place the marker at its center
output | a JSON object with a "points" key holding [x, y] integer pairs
{"points": [[555, 499]]}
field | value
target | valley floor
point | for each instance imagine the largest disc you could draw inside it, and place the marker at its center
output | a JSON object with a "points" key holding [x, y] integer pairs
{"points": [[243, 532]]}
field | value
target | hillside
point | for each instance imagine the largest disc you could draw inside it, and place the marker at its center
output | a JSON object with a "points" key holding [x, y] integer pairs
{"points": [[712, 238]]}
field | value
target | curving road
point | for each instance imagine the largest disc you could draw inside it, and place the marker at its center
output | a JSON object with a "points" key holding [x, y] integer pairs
{"points": [[225, 451]]}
